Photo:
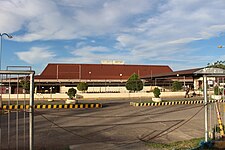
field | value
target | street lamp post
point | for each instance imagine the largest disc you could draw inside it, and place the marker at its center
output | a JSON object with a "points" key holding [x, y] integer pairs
{"points": [[9, 36], [178, 77], [90, 77], [121, 77], [121, 80]]}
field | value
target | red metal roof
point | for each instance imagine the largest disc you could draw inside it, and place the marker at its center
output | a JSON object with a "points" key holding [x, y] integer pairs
{"points": [[188, 72], [99, 71]]}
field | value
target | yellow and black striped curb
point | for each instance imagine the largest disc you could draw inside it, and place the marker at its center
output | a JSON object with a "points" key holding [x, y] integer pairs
{"points": [[173, 103], [55, 106]]}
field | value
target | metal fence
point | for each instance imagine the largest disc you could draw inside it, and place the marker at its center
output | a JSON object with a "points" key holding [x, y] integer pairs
{"points": [[16, 126]]}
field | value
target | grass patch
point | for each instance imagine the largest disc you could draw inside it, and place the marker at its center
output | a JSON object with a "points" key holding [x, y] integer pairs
{"points": [[179, 145]]}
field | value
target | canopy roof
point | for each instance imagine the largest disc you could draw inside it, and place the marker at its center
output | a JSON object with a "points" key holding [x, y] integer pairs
{"points": [[210, 72], [196, 72]]}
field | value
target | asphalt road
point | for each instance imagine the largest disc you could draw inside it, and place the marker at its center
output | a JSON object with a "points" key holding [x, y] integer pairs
{"points": [[116, 126]]}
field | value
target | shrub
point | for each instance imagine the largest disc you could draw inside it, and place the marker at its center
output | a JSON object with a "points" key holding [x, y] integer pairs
{"points": [[216, 90], [176, 86], [71, 93], [82, 86], [156, 92]]}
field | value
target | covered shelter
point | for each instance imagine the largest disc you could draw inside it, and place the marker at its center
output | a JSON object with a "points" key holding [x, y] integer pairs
{"points": [[185, 77]]}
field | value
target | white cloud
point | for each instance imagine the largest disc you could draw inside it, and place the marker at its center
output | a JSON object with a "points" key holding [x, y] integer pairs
{"points": [[176, 24], [93, 54], [54, 19], [144, 30], [90, 52], [154, 20], [36, 55]]}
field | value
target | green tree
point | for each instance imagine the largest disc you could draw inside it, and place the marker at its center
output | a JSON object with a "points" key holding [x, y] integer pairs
{"points": [[176, 86], [82, 86], [25, 83], [134, 83], [71, 93], [217, 64]]}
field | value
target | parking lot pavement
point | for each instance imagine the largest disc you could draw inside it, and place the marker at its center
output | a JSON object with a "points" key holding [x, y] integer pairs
{"points": [[116, 126]]}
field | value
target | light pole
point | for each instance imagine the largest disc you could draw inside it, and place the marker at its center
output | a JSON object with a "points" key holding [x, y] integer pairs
{"points": [[9, 36], [178, 77], [90, 77], [121, 80]]}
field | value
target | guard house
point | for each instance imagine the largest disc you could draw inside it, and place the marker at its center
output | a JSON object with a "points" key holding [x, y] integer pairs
{"points": [[206, 73]]}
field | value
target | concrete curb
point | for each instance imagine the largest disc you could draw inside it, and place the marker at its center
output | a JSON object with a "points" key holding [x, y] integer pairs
{"points": [[174, 103], [53, 106]]}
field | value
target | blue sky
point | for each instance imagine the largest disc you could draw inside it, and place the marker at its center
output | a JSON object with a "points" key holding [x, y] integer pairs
{"points": [[178, 33]]}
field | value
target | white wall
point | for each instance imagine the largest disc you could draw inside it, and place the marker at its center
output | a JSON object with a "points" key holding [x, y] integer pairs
{"points": [[121, 89], [39, 96]]}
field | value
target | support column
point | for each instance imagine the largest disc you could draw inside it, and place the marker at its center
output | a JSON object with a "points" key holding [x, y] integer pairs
{"points": [[206, 107], [31, 113]]}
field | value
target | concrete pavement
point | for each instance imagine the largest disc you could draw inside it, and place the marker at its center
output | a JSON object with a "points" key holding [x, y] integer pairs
{"points": [[115, 126]]}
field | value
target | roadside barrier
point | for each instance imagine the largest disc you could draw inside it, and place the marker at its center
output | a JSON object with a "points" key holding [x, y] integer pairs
{"points": [[52, 106], [173, 103]]}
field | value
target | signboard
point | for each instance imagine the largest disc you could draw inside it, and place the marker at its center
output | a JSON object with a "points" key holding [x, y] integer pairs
{"points": [[210, 82]]}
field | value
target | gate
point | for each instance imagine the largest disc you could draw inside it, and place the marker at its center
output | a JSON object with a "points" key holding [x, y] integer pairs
{"points": [[16, 125]]}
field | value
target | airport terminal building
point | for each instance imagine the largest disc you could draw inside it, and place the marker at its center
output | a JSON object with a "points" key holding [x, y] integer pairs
{"points": [[107, 77]]}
